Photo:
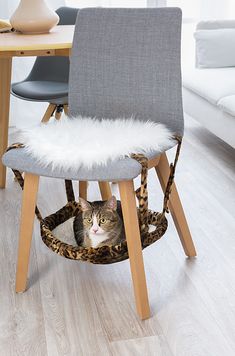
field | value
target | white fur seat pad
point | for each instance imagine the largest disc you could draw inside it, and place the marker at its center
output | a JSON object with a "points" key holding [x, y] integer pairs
{"points": [[58, 150], [87, 142]]}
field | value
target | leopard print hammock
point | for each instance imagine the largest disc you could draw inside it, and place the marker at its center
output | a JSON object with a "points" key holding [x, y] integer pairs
{"points": [[105, 254]]}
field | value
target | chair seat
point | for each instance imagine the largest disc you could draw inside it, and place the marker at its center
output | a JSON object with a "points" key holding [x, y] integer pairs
{"points": [[48, 91], [122, 169]]}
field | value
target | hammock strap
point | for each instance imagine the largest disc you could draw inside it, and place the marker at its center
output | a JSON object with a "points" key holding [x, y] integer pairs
{"points": [[69, 190], [171, 176], [142, 193]]}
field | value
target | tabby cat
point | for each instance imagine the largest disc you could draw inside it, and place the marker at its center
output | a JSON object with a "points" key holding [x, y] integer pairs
{"points": [[99, 224]]}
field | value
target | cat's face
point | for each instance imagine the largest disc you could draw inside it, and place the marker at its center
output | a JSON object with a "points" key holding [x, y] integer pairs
{"points": [[99, 218]]}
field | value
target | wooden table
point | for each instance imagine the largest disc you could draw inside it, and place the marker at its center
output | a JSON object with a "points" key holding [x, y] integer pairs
{"points": [[56, 43]]}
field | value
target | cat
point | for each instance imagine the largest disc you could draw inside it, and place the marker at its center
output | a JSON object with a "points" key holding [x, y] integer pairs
{"points": [[99, 224]]}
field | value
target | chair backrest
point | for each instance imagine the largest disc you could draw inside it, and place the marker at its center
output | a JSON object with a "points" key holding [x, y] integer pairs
{"points": [[126, 62], [54, 68]]}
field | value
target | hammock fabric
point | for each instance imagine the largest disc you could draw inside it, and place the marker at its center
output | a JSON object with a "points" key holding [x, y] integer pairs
{"points": [[105, 254]]}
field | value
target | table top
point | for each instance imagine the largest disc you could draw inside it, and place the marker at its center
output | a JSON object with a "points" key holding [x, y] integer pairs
{"points": [[60, 37]]}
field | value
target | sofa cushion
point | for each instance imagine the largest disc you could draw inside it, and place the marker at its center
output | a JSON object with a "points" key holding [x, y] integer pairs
{"points": [[227, 104], [215, 24], [213, 84], [215, 48]]}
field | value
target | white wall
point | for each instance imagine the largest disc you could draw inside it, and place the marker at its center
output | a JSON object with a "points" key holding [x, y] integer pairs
{"points": [[106, 3]]}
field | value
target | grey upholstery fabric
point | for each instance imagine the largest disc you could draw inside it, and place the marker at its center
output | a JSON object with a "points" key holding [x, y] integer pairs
{"points": [[127, 62], [48, 79], [122, 169]]}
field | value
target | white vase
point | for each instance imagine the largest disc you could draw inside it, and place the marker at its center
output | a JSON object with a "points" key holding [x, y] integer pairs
{"points": [[33, 17]]}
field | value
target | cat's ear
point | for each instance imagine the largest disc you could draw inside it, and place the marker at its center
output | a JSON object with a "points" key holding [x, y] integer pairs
{"points": [[84, 204], [111, 203]]}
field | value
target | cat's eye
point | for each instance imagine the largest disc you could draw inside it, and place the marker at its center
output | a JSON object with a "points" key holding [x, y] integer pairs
{"points": [[103, 221], [89, 220]]}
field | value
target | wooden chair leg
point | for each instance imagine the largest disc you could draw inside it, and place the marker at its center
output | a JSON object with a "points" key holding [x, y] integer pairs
{"points": [[105, 190], [131, 224], [66, 109], [49, 112], [83, 189], [26, 229], [58, 115], [176, 208]]}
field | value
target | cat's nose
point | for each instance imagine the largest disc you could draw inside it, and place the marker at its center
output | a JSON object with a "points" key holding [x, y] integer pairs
{"points": [[95, 230]]}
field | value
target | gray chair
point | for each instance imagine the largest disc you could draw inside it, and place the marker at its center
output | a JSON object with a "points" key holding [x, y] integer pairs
{"points": [[124, 62], [48, 79]]}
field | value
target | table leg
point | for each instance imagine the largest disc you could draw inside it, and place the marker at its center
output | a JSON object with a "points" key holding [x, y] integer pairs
{"points": [[5, 85]]}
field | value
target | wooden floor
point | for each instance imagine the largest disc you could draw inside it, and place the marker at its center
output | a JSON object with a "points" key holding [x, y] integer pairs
{"points": [[73, 308]]}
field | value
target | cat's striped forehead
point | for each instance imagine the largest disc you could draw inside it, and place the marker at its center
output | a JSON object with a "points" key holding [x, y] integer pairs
{"points": [[99, 212]]}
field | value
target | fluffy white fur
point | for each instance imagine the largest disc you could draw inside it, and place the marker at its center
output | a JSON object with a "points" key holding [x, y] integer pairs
{"points": [[74, 142]]}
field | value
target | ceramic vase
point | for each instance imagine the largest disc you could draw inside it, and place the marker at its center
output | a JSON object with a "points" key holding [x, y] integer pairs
{"points": [[33, 17]]}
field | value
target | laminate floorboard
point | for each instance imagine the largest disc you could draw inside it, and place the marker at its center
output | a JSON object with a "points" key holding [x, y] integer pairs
{"points": [[74, 308]]}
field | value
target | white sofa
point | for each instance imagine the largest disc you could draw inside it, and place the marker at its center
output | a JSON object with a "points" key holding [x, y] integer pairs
{"points": [[209, 97], [209, 93]]}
